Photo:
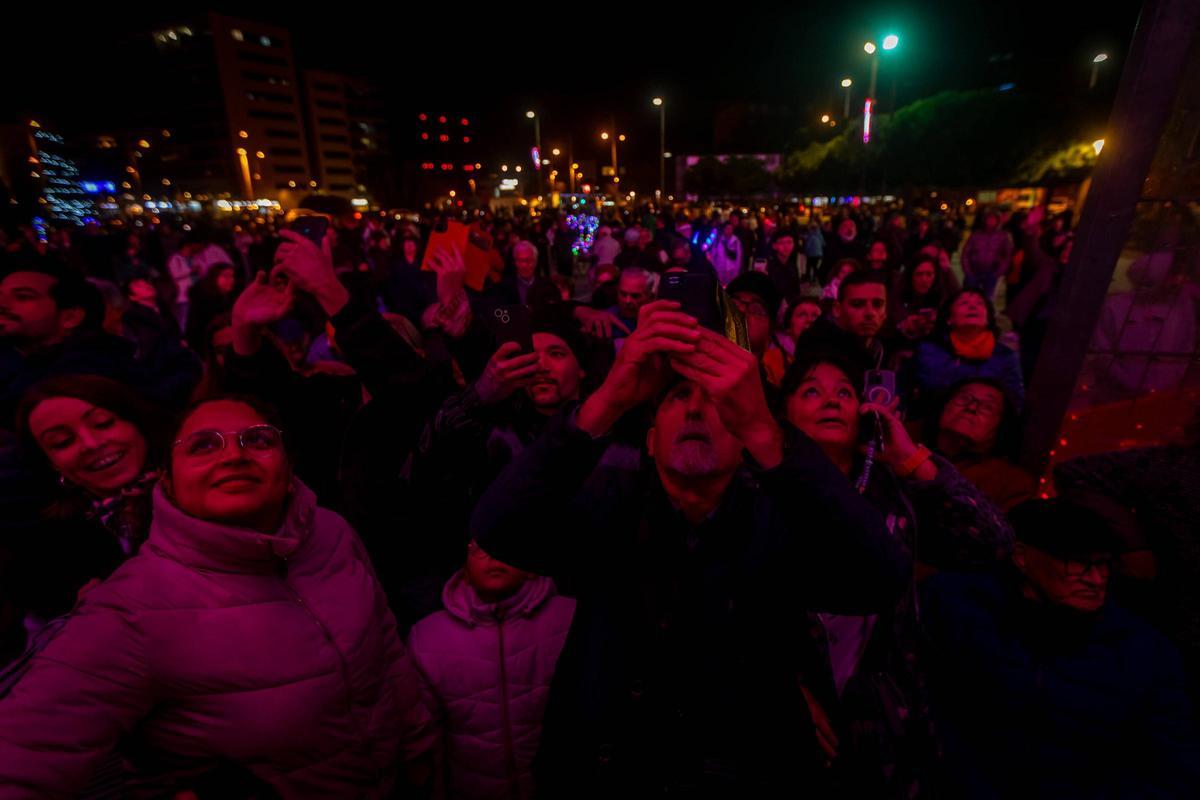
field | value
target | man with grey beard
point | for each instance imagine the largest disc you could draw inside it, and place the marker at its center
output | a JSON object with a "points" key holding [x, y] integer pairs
{"points": [[678, 675]]}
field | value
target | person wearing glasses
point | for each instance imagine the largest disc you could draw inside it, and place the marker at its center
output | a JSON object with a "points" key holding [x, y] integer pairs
{"points": [[976, 430], [1043, 686], [755, 295], [248, 633]]}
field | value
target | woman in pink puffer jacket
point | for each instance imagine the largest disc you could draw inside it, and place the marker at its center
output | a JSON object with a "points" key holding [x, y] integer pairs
{"points": [[249, 630], [489, 658]]}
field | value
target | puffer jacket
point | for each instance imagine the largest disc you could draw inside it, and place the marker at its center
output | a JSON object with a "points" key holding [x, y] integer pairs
{"points": [[490, 666], [219, 646]]}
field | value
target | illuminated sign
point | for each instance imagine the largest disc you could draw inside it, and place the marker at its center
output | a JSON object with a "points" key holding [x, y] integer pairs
{"points": [[867, 121], [537, 157]]}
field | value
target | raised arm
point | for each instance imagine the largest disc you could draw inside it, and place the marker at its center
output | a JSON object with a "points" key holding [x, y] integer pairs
{"points": [[850, 563], [522, 518]]}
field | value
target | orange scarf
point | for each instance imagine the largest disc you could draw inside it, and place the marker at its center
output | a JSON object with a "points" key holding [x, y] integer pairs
{"points": [[973, 346]]}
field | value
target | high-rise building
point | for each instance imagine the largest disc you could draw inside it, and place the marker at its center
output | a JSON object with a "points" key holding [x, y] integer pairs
{"points": [[262, 108], [224, 118], [372, 141], [329, 132], [349, 136]]}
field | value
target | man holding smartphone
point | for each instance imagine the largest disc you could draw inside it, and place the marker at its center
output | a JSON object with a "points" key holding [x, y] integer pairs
{"points": [[674, 677]]}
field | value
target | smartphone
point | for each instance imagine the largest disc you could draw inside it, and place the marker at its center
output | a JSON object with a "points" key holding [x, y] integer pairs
{"points": [[696, 294], [512, 324], [311, 226], [879, 386]]}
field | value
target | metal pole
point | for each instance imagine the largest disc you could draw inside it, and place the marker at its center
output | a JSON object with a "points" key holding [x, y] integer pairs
{"points": [[537, 142], [662, 150], [1095, 74], [571, 163], [1150, 83], [846, 109], [613, 140], [874, 75]]}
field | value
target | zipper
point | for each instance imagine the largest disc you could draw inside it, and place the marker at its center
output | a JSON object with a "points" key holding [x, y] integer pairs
{"points": [[510, 755], [345, 670]]}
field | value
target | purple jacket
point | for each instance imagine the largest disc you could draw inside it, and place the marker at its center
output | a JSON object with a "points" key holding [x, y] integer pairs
{"points": [[215, 645], [490, 666]]}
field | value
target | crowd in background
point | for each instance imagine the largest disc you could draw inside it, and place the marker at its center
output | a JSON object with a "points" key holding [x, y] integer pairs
{"points": [[293, 517]]}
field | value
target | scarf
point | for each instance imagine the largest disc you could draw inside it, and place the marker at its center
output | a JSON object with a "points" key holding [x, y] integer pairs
{"points": [[126, 514], [973, 346]]}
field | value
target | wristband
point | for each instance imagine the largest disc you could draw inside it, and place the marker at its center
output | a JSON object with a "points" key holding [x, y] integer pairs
{"points": [[914, 462]]}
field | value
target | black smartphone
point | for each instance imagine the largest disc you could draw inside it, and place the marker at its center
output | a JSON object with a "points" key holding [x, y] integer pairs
{"points": [[696, 294], [512, 324], [311, 226]]}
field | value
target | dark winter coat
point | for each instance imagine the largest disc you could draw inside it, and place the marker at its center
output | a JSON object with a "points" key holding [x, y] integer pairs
{"points": [[675, 676]]}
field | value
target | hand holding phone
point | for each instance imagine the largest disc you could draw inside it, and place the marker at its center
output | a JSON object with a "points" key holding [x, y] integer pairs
{"points": [[697, 296], [507, 371], [313, 227]]}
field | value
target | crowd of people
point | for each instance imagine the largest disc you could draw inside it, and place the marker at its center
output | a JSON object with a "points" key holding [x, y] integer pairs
{"points": [[728, 506]]}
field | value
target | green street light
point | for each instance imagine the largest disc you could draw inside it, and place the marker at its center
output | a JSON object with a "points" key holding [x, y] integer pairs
{"points": [[890, 41]]}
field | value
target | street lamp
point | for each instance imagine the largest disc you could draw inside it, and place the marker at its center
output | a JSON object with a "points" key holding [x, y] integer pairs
{"points": [[612, 140], [1096, 62], [537, 140], [846, 84], [890, 42], [825, 119], [662, 146]]}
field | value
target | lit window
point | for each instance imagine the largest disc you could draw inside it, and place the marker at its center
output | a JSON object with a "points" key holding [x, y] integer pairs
{"points": [[265, 41], [237, 35]]}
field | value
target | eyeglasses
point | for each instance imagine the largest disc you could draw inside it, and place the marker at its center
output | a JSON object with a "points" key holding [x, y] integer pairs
{"points": [[256, 438], [1077, 568], [966, 400], [750, 307]]}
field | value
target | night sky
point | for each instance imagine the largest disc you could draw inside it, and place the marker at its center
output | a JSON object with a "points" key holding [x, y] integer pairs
{"points": [[582, 64]]}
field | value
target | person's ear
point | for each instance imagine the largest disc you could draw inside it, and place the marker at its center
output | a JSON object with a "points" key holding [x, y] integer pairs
{"points": [[650, 442], [71, 318]]}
